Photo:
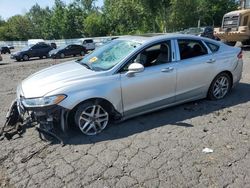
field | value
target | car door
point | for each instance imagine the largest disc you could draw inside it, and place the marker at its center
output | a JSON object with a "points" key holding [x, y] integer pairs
{"points": [[40, 50], [75, 50], [152, 88], [47, 48], [34, 51], [68, 50], [195, 69]]}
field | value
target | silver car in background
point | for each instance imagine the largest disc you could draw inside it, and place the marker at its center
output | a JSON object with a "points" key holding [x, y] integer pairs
{"points": [[128, 77]]}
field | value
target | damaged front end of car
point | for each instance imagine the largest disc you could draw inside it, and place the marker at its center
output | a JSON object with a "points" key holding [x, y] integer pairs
{"points": [[42, 112]]}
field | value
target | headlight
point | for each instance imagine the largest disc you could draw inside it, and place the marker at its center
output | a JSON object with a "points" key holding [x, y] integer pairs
{"points": [[43, 101]]}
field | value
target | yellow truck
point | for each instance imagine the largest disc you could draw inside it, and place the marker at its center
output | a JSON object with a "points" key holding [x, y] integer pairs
{"points": [[236, 25]]}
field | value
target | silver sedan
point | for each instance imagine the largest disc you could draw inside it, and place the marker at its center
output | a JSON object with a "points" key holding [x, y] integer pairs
{"points": [[127, 77]]}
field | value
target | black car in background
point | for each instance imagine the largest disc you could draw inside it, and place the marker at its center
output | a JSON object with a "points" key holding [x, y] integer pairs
{"points": [[68, 50], [38, 50], [4, 50], [208, 32]]}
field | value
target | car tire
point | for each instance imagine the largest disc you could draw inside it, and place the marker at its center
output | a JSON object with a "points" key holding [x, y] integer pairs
{"points": [[26, 57], [91, 118], [220, 87], [62, 55], [82, 53]]}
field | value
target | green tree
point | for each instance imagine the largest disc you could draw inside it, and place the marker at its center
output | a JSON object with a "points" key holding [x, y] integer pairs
{"points": [[18, 28], [211, 11], [124, 16], [74, 19], [40, 19], [58, 20], [95, 25]]}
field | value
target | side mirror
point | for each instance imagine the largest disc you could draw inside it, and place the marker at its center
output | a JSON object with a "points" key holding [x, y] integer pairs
{"points": [[134, 68]]}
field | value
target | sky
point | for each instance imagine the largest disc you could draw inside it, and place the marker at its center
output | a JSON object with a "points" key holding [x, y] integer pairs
{"points": [[10, 8]]}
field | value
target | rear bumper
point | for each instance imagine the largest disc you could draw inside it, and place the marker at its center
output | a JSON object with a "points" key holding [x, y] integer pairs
{"points": [[237, 73]]}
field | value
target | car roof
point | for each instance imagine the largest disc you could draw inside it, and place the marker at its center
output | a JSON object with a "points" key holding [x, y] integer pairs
{"points": [[161, 36]]}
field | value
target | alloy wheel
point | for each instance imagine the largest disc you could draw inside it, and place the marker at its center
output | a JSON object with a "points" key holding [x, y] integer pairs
{"points": [[221, 87], [93, 120]]}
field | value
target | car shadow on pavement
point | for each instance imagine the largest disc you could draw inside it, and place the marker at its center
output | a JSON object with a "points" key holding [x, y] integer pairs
{"points": [[173, 116]]}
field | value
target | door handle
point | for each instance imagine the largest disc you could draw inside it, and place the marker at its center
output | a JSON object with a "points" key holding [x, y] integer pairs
{"points": [[169, 69], [211, 61]]}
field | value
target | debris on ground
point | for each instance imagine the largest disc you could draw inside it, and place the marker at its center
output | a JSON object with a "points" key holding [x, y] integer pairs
{"points": [[207, 150]]}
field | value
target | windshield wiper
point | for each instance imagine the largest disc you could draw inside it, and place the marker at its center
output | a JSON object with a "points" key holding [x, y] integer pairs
{"points": [[87, 66], [84, 64]]}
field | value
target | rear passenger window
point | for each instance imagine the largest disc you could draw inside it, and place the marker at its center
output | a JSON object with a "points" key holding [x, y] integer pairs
{"points": [[191, 48], [212, 47]]}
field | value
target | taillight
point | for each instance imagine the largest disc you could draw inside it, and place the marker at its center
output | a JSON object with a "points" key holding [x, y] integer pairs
{"points": [[240, 55]]}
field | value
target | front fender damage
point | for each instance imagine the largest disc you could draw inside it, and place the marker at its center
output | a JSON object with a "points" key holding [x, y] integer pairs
{"points": [[45, 119]]}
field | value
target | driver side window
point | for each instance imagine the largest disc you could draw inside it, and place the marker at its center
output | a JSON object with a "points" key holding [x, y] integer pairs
{"points": [[154, 55]]}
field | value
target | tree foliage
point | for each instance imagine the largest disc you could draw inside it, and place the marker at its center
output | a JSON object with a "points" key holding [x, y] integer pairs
{"points": [[82, 18]]}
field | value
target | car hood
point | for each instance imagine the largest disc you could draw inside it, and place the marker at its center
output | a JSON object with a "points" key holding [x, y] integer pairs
{"points": [[53, 78], [19, 52]]}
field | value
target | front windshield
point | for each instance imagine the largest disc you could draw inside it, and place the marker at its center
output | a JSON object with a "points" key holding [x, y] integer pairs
{"points": [[107, 56]]}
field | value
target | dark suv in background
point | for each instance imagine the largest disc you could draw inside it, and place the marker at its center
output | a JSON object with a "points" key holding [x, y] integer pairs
{"points": [[4, 50], [38, 50], [208, 32]]}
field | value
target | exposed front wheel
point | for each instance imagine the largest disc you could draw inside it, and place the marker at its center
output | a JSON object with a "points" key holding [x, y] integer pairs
{"points": [[220, 87], [91, 118]]}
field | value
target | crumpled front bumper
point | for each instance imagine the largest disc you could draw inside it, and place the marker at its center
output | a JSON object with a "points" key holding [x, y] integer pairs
{"points": [[50, 115]]}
